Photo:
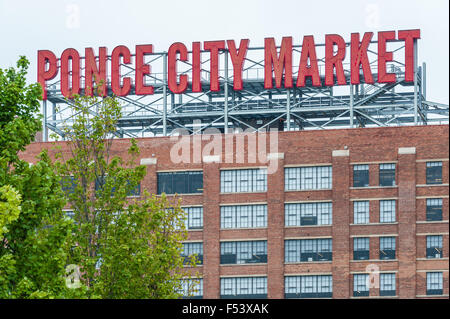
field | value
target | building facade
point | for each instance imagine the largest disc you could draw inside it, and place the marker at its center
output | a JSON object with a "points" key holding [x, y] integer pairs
{"points": [[347, 213]]}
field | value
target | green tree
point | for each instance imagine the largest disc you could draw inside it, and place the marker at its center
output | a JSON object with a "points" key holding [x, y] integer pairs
{"points": [[34, 233], [125, 247]]}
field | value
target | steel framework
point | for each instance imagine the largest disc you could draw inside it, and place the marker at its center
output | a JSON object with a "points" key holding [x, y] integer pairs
{"points": [[254, 107]]}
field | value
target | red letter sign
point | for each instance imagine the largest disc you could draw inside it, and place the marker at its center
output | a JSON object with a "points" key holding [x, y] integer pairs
{"points": [[359, 57], [118, 52], [238, 61], [142, 69], [196, 67], [383, 57], [44, 57], [284, 61], [70, 54], [214, 47], [334, 61], [91, 70], [308, 51], [410, 37], [172, 68]]}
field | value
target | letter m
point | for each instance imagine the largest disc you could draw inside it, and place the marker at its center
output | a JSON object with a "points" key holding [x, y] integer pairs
{"points": [[283, 61]]}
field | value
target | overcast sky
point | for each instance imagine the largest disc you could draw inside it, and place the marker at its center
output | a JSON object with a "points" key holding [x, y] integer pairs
{"points": [[28, 26]]}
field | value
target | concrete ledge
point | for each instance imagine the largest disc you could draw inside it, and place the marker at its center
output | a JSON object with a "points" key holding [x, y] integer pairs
{"points": [[275, 156], [406, 150], [341, 153], [211, 159], [149, 161]]}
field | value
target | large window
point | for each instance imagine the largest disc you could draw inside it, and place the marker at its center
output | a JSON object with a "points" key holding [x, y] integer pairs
{"points": [[192, 288], [434, 246], [434, 209], [303, 178], [320, 286], [360, 175], [192, 249], [305, 214], [387, 211], [434, 283], [243, 180], [387, 174], [243, 216], [243, 287], [434, 172], [360, 285], [387, 247], [243, 252], [361, 248], [180, 182], [305, 250], [361, 212], [387, 285]]}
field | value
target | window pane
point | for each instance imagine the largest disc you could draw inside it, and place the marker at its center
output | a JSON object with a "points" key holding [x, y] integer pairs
{"points": [[360, 175]]}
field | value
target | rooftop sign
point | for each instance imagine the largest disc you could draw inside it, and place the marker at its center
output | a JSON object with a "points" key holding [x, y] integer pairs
{"points": [[278, 64]]}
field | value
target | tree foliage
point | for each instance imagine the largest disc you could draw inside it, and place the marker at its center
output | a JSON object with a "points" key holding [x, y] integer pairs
{"points": [[125, 247], [34, 233]]}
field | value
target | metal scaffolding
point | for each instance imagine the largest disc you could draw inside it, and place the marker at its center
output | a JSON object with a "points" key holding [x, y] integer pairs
{"points": [[257, 108]]}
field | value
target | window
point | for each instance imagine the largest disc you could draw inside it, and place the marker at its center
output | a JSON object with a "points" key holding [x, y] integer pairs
{"points": [[360, 285], [361, 212], [434, 172], [434, 209], [194, 217], [434, 246], [307, 250], [180, 182], [361, 248], [434, 283], [192, 288], [304, 214], [243, 216], [387, 247], [191, 249], [387, 285], [387, 174], [302, 178], [320, 286], [243, 252], [243, 287], [243, 180], [387, 211], [68, 184], [360, 175]]}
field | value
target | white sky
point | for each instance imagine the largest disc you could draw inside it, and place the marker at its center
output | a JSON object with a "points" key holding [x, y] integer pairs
{"points": [[28, 26]]}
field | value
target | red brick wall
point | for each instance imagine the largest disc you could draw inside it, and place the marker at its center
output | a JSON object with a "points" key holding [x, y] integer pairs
{"points": [[365, 145]]}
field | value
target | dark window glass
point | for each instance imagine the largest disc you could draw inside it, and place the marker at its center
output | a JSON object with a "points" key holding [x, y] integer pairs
{"points": [[243, 252], [320, 286], [361, 248], [434, 209], [434, 246], [387, 285], [68, 184], [193, 249], [360, 287], [387, 174], [360, 175], [387, 247], [434, 172], [180, 182], [434, 283]]}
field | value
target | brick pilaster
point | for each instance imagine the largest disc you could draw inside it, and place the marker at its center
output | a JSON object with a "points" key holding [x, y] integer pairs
{"points": [[341, 224], [275, 231], [406, 216]]}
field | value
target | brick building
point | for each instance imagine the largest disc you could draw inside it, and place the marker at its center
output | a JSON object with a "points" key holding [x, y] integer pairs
{"points": [[343, 206]]}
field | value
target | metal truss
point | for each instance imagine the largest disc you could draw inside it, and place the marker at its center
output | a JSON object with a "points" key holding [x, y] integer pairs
{"points": [[257, 108]]}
